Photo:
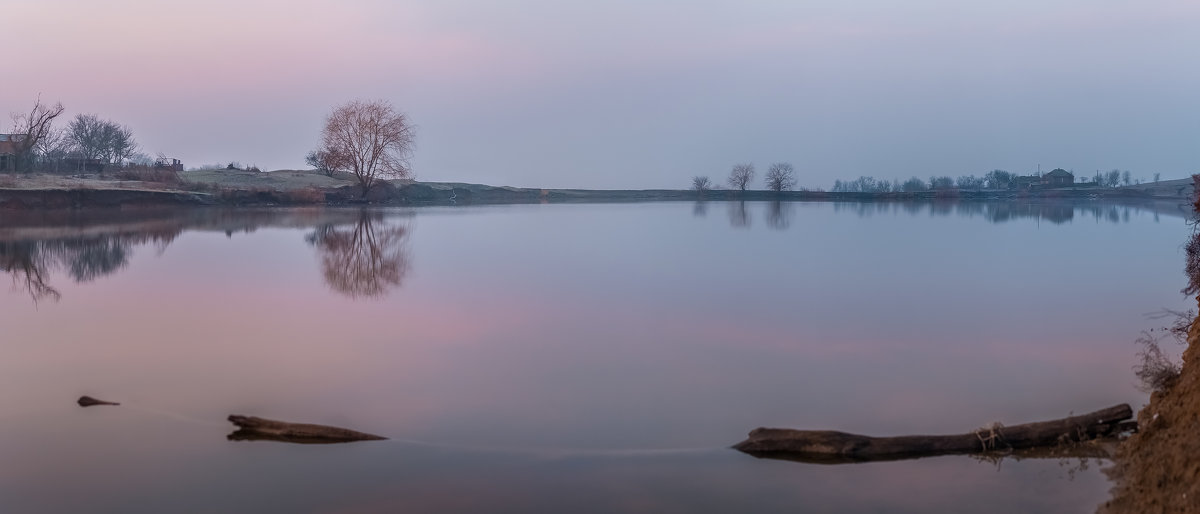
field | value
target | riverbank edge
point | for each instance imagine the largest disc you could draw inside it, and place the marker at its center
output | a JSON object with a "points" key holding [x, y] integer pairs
{"points": [[1157, 469], [412, 194]]}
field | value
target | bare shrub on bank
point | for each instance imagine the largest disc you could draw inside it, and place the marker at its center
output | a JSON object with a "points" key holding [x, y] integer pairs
{"points": [[1156, 370]]}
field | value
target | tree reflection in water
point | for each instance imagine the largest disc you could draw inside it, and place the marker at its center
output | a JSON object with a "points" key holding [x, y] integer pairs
{"points": [[779, 215], [739, 217], [83, 258], [29, 268], [365, 261]]}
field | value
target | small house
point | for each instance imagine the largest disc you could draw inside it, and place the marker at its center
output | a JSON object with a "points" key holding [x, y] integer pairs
{"points": [[9, 150], [1058, 178]]}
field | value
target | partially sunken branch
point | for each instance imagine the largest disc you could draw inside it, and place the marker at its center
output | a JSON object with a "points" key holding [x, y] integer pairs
{"points": [[827, 446], [252, 428]]}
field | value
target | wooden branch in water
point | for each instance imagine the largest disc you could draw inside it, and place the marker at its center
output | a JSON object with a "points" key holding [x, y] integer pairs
{"points": [[252, 428], [88, 401], [828, 446]]}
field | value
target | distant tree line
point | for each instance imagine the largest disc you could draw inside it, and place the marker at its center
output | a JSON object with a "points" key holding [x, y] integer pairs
{"points": [[780, 176], [87, 142], [995, 179]]}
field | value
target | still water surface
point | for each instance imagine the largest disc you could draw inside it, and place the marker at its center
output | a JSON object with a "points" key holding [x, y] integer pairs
{"points": [[564, 358]]}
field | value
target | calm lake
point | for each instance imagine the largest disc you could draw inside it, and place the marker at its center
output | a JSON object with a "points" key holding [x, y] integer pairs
{"points": [[565, 358]]}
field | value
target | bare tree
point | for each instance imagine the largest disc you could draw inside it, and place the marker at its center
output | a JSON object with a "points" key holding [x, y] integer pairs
{"points": [[31, 128], [121, 145], [369, 139], [1113, 178], [781, 177], [741, 175], [322, 161], [93, 138], [1126, 177], [701, 184]]}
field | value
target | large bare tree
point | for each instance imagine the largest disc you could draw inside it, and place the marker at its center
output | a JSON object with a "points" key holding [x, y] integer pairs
{"points": [[781, 177], [370, 139], [741, 175], [32, 128]]}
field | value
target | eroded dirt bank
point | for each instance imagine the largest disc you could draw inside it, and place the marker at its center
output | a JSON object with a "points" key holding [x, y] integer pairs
{"points": [[1158, 468]]}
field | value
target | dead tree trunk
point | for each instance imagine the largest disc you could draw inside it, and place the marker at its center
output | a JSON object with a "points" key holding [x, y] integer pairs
{"points": [[829, 446]]}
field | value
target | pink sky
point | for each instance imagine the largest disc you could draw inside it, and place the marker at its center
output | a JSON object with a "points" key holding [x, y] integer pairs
{"points": [[635, 94]]}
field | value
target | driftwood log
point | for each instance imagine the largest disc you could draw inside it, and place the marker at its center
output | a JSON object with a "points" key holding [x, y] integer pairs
{"points": [[252, 428], [88, 401], [827, 446]]}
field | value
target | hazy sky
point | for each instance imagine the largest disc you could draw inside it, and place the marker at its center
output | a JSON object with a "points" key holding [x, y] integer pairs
{"points": [[635, 93]]}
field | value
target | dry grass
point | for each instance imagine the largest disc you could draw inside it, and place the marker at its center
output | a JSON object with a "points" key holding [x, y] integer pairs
{"points": [[275, 180], [146, 174], [1156, 370]]}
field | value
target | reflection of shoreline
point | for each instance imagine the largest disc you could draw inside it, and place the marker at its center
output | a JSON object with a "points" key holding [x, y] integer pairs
{"points": [[1054, 212], [86, 245], [779, 215]]}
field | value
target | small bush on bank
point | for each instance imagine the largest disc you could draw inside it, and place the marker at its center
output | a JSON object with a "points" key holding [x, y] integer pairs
{"points": [[1157, 371]]}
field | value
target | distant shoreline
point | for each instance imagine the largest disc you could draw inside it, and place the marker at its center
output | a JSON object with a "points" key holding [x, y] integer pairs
{"points": [[297, 188]]}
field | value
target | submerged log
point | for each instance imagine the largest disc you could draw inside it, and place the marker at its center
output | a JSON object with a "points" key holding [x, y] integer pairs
{"points": [[828, 446], [88, 401], [252, 428]]}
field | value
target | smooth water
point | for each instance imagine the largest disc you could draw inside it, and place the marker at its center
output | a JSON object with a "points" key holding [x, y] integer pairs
{"points": [[565, 358]]}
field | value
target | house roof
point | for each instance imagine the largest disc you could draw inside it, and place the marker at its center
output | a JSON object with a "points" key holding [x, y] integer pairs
{"points": [[8, 143], [1059, 172]]}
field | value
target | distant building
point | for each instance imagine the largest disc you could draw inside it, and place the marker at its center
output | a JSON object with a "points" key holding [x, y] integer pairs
{"points": [[1058, 178], [8, 151], [167, 163]]}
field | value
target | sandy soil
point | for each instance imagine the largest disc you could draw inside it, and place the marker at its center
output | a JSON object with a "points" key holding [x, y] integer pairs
{"points": [[1158, 468]]}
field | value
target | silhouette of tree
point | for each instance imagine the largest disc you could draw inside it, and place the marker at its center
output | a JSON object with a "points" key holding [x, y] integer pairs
{"points": [[701, 184], [781, 177], [365, 261], [741, 175], [32, 129], [371, 139]]}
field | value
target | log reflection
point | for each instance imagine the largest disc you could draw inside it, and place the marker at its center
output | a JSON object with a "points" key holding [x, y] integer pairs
{"points": [[365, 261]]}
